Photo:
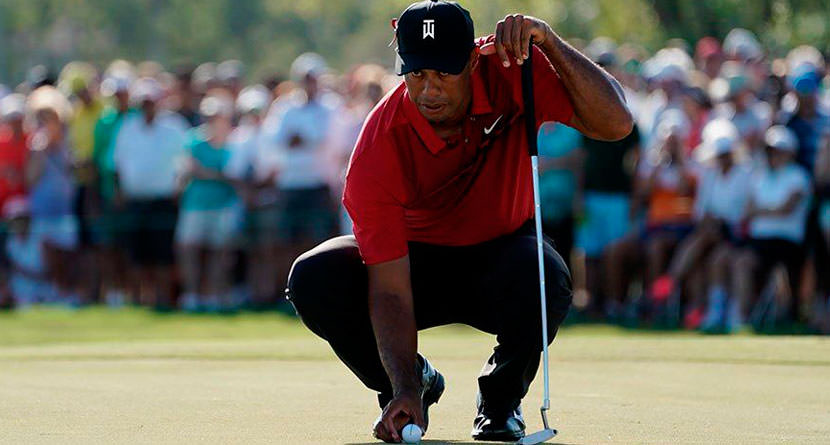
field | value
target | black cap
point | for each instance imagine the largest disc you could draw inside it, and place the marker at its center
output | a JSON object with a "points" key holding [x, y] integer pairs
{"points": [[436, 35]]}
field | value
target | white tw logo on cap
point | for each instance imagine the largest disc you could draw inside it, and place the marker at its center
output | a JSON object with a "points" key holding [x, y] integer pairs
{"points": [[429, 28]]}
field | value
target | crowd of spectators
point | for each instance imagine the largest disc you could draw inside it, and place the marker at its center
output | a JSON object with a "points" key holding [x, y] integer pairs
{"points": [[714, 214], [189, 189], [186, 190]]}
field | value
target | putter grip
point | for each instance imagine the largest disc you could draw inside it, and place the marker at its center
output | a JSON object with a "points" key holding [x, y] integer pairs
{"points": [[529, 104]]}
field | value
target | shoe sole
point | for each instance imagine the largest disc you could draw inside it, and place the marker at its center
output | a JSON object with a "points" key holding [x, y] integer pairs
{"points": [[498, 437]]}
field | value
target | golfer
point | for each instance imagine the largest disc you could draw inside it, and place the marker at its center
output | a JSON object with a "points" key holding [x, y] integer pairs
{"points": [[439, 188]]}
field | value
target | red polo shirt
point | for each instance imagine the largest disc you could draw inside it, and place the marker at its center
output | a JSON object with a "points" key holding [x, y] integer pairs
{"points": [[405, 183], [12, 163]]}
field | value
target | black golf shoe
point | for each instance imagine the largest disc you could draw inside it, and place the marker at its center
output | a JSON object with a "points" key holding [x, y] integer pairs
{"points": [[502, 426], [432, 386]]}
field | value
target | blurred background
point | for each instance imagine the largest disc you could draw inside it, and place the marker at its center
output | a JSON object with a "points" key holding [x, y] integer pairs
{"points": [[267, 34], [179, 155]]}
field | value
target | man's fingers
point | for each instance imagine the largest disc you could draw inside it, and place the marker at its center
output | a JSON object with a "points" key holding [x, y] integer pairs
{"points": [[507, 37], [527, 35], [499, 46], [516, 37], [380, 432], [487, 49], [389, 425]]}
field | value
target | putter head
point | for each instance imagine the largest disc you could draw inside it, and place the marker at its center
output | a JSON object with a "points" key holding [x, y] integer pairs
{"points": [[538, 437]]}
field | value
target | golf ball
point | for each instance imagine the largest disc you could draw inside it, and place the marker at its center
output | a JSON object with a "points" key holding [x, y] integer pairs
{"points": [[411, 433]]}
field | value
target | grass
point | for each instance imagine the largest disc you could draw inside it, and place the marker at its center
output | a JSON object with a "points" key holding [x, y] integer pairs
{"points": [[134, 376]]}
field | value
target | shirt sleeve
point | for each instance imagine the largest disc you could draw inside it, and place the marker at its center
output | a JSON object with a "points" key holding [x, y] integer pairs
{"points": [[377, 217], [552, 101]]}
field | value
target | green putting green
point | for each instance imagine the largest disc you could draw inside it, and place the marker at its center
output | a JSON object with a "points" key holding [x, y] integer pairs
{"points": [[131, 376]]}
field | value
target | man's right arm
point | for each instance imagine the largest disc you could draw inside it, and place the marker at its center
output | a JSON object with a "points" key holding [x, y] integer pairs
{"points": [[392, 312]]}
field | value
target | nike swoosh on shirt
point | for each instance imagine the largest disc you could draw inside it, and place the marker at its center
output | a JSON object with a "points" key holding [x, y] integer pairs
{"points": [[489, 129]]}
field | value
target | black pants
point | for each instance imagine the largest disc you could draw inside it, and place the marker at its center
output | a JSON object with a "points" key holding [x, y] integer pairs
{"points": [[774, 251], [493, 286]]}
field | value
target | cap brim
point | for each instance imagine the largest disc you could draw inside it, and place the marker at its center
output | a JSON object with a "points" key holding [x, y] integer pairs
{"points": [[452, 63]]}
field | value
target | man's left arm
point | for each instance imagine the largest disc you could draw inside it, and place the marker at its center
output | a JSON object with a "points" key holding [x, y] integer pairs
{"points": [[598, 101]]}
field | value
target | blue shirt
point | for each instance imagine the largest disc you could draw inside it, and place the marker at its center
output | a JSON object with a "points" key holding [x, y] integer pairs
{"points": [[557, 187], [207, 194], [809, 134], [54, 193]]}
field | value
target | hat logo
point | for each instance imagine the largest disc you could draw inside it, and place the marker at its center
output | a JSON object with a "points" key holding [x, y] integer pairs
{"points": [[429, 28]]}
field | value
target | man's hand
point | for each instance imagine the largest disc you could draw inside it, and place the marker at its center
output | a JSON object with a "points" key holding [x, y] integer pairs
{"points": [[404, 409], [392, 312], [514, 35]]}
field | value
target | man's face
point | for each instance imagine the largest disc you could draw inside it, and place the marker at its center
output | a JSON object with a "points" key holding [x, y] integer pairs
{"points": [[441, 98], [84, 96], [122, 97], [149, 109], [310, 85], [724, 160], [49, 122], [777, 158], [807, 101], [15, 123]]}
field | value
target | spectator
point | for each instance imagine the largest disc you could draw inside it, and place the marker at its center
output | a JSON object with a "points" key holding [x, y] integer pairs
{"points": [[709, 56], [821, 316], [666, 182], [252, 162], [363, 90], [777, 211], [720, 208], [808, 122], [698, 107], [27, 282], [738, 104], [110, 231], [185, 98], [147, 148], [210, 209], [298, 125], [561, 163], [606, 209], [230, 75], [77, 81], [52, 189], [811, 126], [13, 146]]}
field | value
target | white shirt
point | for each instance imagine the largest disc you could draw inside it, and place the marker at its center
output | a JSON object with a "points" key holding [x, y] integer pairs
{"points": [[724, 196], [147, 156], [304, 166], [244, 144], [770, 190]]}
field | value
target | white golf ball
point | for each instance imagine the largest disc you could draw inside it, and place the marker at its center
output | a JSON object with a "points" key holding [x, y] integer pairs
{"points": [[411, 433]]}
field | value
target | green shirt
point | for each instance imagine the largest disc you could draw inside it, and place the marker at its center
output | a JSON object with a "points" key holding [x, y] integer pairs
{"points": [[103, 143], [207, 194]]}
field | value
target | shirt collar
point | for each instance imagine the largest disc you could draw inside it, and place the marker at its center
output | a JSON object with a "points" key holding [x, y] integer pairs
{"points": [[480, 105]]}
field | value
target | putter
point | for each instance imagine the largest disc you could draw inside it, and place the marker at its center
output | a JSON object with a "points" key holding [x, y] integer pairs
{"points": [[530, 125]]}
